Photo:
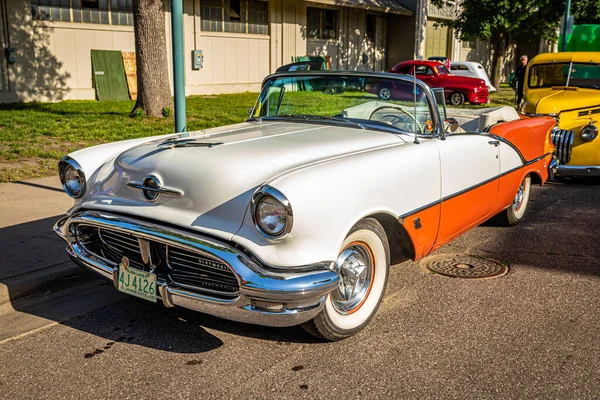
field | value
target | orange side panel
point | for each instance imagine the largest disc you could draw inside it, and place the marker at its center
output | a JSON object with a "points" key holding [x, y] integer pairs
{"points": [[510, 183], [463, 212], [467, 210], [530, 135], [424, 237]]}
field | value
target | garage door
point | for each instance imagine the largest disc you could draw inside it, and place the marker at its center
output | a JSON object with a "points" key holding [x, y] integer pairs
{"points": [[436, 40]]}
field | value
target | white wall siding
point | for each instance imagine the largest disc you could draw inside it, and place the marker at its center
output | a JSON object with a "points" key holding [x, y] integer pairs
{"points": [[54, 58]]}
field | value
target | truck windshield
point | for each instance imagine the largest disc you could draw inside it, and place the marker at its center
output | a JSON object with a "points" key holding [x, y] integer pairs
{"points": [[353, 100], [583, 75]]}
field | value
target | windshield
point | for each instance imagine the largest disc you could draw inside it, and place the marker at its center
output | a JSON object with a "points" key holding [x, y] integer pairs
{"points": [[364, 102], [441, 69], [581, 75]]}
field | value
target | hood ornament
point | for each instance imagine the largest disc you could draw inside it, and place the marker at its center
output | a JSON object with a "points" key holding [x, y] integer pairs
{"points": [[152, 188]]}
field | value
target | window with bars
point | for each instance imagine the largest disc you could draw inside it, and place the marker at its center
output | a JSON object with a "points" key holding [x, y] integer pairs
{"points": [[107, 12], [321, 23], [239, 16]]}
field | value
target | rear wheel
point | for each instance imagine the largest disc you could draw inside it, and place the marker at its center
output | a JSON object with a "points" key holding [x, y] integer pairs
{"points": [[384, 93], [456, 98], [363, 266], [516, 211]]}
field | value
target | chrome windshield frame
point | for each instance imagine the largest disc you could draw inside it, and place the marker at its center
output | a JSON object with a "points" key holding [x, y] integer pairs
{"points": [[437, 123]]}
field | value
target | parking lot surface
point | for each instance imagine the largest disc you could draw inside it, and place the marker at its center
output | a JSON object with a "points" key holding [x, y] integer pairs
{"points": [[530, 334]]}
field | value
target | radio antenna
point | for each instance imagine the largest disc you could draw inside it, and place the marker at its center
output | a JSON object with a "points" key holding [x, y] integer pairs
{"points": [[416, 141]]}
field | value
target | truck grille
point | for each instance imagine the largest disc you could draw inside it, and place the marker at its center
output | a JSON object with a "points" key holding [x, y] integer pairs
{"points": [[195, 271], [563, 143]]}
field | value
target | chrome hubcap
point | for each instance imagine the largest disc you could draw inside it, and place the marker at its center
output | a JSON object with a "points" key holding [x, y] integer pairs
{"points": [[385, 93], [518, 201], [355, 267]]}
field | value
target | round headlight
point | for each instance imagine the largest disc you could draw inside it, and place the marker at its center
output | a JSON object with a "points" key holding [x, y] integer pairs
{"points": [[589, 132], [71, 177], [270, 216], [272, 213]]}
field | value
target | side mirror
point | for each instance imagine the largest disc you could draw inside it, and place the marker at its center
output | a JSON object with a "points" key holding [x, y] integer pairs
{"points": [[450, 126]]}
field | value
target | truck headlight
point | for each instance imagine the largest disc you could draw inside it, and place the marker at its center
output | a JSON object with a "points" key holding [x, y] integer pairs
{"points": [[589, 132], [72, 177], [271, 213]]}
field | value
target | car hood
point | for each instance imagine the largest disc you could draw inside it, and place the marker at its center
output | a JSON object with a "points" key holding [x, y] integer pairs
{"points": [[218, 170], [555, 100]]}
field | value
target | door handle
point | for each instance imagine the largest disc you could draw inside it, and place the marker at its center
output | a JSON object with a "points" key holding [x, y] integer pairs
{"points": [[494, 143]]}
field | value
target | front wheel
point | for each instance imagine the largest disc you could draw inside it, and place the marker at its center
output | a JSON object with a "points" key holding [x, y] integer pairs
{"points": [[363, 266], [516, 211], [457, 98]]}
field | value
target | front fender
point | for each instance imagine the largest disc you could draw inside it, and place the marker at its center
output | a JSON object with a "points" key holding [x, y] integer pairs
{"points": [[328, 199]]}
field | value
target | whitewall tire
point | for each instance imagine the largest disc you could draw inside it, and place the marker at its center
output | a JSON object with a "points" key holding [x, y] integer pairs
{"points": [[363, 265], [516, 211]]}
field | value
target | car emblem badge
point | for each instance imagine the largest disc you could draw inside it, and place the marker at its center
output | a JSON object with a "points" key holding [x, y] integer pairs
{"points": [[125, 262], [152, 188]]}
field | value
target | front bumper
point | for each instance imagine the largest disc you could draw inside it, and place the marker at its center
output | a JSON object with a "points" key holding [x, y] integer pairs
{"points": [[267, 296], [577, 170], [474, 98]]}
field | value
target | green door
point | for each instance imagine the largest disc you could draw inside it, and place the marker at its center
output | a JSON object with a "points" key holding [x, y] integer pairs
{"points": [[109, 75]]}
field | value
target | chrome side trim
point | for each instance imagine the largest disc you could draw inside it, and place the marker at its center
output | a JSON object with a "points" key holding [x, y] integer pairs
{"points": [[266, 297]]}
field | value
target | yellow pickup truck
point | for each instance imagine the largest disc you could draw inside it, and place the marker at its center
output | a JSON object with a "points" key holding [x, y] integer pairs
{"points": [[567, 86]]}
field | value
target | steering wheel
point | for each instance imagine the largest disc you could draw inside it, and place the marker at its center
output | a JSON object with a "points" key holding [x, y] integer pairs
{"points": [[403, 120]]}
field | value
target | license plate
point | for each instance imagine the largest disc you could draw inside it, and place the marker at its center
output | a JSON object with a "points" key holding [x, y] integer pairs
{"points": [[137, 283]]}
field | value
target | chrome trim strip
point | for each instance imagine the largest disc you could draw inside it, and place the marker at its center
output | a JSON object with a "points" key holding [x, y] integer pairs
{"points": [[300, 294], [460, 192], [165, 190]]}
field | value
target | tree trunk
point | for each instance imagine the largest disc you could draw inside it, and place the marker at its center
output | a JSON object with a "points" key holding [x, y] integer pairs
{"points": [[154, 93], [500, 46]]}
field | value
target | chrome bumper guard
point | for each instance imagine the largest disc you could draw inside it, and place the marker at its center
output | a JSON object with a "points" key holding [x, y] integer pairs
{"points": [[577, 170], [266, 296], [553, 167]]}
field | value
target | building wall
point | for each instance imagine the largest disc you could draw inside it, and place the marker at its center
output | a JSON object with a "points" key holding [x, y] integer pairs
{"points": [[352, 49], [54, 61], [401, 39], [53, 58]]}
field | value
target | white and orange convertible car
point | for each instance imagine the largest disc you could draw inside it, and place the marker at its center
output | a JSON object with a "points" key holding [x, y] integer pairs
{"points": [[295, 216]]}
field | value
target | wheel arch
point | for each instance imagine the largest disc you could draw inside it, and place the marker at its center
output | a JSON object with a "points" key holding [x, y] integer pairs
{"points": [[401, 245], [536, 177]]}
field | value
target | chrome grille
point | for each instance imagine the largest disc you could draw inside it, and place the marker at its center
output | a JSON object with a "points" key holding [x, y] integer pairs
{"points": [[192, 270], [563, 143], [115, 245]]}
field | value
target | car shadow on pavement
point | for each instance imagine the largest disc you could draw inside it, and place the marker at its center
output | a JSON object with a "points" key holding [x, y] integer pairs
{"points": [[42, 285], [559, 232]]}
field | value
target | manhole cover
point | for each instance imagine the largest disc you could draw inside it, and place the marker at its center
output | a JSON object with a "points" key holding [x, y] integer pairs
{"points": [[465, 266]]}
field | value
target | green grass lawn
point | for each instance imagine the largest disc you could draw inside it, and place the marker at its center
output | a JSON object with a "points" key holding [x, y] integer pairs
{"points": [[34, 136]]}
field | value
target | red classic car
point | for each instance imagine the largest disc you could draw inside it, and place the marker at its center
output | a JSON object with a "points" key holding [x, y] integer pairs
{"points": [[457, 89]]}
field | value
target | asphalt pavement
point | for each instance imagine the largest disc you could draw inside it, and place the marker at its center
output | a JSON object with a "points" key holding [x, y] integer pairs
{"points": [[530, 334]]}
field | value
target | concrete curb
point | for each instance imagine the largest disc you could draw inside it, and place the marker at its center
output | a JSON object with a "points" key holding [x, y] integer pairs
{"points": [[42, 281]]}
